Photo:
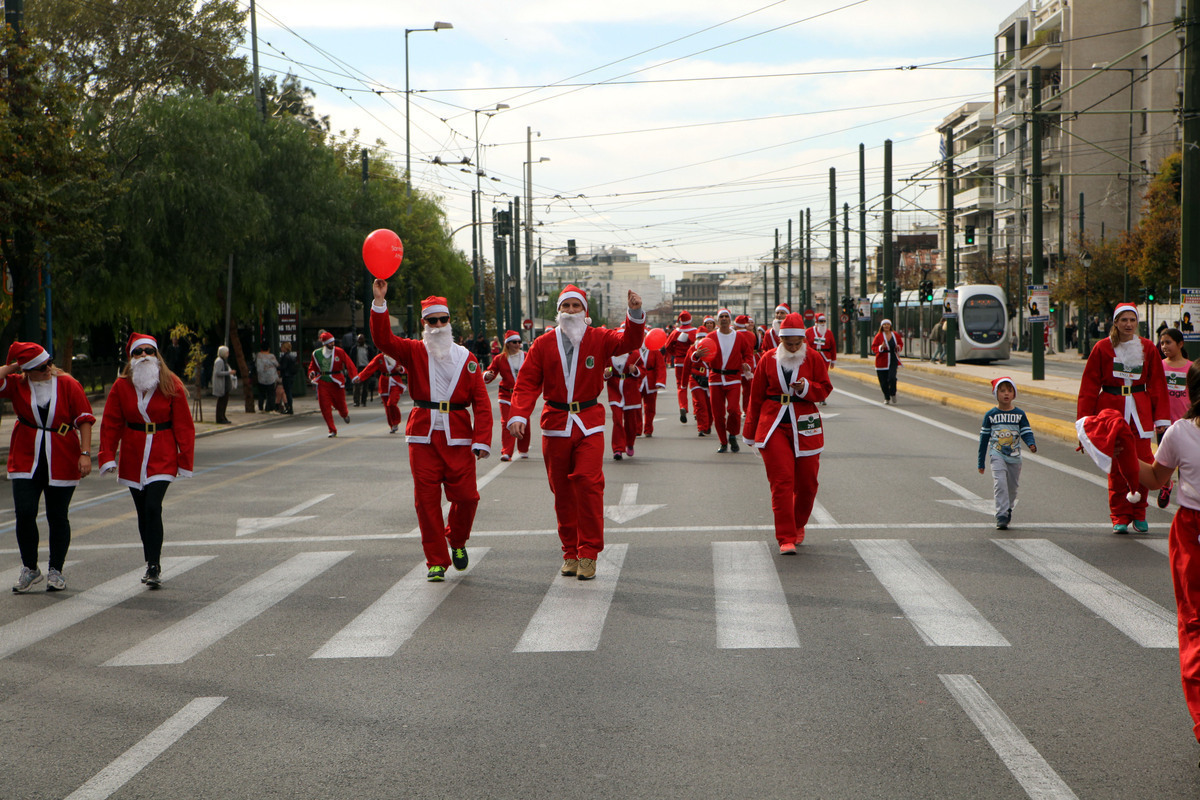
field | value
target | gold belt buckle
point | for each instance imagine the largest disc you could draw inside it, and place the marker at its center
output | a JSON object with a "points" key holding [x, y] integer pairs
{"points": [[1126, 390], [64, 429], [573, 407], [151, 428], [785, 400], [443, 406]]}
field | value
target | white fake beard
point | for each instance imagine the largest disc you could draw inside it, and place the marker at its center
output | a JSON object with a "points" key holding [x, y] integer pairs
{"points": [[145, 373], [790, 360], [573, 325], [438, 341], [821, 330], [776, 325]]}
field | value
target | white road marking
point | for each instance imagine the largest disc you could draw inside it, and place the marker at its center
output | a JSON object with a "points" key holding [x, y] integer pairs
{"points": [[48, 621], [969, 501], [627, 509], [306, 504], [493, 473], [209, 625], [1130, 612], [249, 525], [572, 614], [1158, 545], [752, 610], [135, 759], [389, 622], [821, 516], [300, 432], [941, 616], [1025, 763]]}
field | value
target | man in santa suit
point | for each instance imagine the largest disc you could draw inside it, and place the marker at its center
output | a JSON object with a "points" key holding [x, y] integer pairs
{"points": [[624, 378], [654, 378], [734, 358], [770, 338], [329, 370], [507, 364], [446, 386], [678, 342], [393, 381], [820, 338], [697, 381], [566, 366], [741, 324], [784, 425]]}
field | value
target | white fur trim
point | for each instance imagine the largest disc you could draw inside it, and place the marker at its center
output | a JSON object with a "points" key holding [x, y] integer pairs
{"points": [[38, 360], [513, 338], [568, 295], [143, 343], [791, 332], [1103, 461], [425, 312]]}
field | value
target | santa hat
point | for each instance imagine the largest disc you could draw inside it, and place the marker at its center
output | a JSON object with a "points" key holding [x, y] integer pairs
{"points": [[569, 291], [741, 321], [784, 307], [511, 336], [793, 325], [1122, 307], [820, 318], [325, 337], [685, 317], [1100, 435], [724, 311], [713, 320], [434, 305], [137, 340], [996, 385], [27, 354], [883, 322]]}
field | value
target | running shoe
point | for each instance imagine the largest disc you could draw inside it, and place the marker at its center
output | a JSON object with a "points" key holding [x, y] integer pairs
{"points": [[153, 576], [1164, 495], [586, 569], [54, 581], [1140, 526], [458, 555], [569, 567], [27, 579], [629, 451], [723, 448], [733, 445], [787, 549], [1121, 527], [437, 574], [683, 416], [505, 457], [616, 456]]}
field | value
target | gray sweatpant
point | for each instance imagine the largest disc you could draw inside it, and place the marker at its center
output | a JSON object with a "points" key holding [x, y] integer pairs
{"points": [[1005, 477]]}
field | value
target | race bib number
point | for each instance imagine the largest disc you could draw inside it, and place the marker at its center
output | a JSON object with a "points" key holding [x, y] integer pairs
{"points": [[589, 362], [1124, 372]]}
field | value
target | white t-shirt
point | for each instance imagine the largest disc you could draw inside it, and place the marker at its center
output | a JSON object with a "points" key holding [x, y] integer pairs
{"points": [[1180, 447]]}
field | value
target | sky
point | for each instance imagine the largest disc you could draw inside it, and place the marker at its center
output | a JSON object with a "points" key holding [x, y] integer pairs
{"points": [[684, 132]]}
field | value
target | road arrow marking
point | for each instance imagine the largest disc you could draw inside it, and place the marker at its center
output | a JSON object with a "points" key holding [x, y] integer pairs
{"points": [[627, 509], [970, 501], [294, 433], [248, 525]]}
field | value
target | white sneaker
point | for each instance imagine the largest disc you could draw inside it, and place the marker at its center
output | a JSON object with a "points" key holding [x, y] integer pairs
{"points": [[27, 578], [522, 455], [55, 581]]}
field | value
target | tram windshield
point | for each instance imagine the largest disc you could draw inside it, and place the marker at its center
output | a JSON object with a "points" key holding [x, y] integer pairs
{"points": [[982, 318]]}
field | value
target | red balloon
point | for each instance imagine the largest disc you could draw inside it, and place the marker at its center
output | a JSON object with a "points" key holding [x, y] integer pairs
{"points": [[382, 253], [707, 348], [655, 339]]}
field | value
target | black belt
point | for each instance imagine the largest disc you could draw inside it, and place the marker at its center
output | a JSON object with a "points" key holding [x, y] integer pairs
{"points": [[573, 408], [441, 405], [727, 371], [1124, 390], [61, 430], [149, 427], [624, 375], [783, 399]]}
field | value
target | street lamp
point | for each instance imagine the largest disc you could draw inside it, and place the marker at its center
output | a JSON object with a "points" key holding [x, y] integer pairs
{"points": [[437, 26], [1085, 258], [1107, 66], [528, 165], [477, 214]]}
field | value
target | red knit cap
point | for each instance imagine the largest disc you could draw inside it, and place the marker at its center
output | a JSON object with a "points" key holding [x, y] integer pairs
{"points": [[434, 305], [27, 354]]}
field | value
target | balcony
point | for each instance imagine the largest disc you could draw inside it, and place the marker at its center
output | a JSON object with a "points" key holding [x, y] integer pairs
{"points": [[975, 157], [980, 197]]}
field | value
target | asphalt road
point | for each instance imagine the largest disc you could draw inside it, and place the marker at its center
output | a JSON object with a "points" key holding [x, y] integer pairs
{"points": [[910, 651]]}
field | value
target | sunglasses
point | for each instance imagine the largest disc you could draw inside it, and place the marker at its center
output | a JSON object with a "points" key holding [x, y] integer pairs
{"points": [[143, 351], [438, 320], [41, 368]]}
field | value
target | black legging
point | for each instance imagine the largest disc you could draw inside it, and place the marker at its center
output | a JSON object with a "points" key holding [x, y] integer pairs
{"points": [[887, 379], [149, 503], [27, 493]]}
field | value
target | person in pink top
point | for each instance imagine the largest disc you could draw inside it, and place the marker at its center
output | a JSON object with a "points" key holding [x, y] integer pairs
{"points": [[1175, 367]]}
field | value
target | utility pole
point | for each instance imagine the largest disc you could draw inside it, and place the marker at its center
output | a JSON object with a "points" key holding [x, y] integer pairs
{"points": [[1190, 178], [259, 103], [849, 325], [789, 271], [833, 256], [888, 304], [499, 270], [367, 293], [951, 333], [864, 329], [1036, 334], [808, 298], [767, 306], [476, 287]]}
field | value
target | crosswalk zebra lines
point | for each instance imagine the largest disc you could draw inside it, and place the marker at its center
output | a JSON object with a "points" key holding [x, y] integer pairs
{"points": [[750, 606]]}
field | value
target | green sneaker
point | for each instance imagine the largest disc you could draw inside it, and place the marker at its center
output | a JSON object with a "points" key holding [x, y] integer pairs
{"points": [[437, 573], [1120, 527], [1140, 526], [459, 556]]}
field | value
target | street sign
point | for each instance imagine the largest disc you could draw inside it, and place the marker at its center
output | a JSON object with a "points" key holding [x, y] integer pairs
{"points": [[809, 316], [845, 318], [528, 324]]}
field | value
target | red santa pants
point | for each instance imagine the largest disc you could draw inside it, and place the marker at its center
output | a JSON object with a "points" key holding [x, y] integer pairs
{"points": [[1185, 573], [1119, 508], [793, 487], [745, 394], [507, 440], [649, 409], [391, 407], [726, 409], [575, 467], [329, 397], [701, 409], [435, 465], [627, 426], [681, 383]]}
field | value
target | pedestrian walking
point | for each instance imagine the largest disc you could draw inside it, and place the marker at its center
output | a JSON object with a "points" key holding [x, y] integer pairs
{"points": [[449, 429], [329, 370], [49, 452], [223, 377], [733, 356], [266, 372], [1175, 369], [566, 367], [393, 381], [361, 354], [623, 374], [678, 342], [938, 337], [1124, 373], [783, 424], [507, 365], [288, 367], [886, 347], [148, 437], [1004, 428]]}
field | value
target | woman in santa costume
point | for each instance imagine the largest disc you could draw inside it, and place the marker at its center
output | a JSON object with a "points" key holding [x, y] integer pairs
{"points": [[49, 453], [449, 428], [507, 364], [741, 324], [566, 366], [770, 339], [1124, 372], [329, 369], [624, 377], [734, 357], [697, 381], [678, 342], [147, 436], [886, 347], [784, 425], [393, 381], [654, 378]]}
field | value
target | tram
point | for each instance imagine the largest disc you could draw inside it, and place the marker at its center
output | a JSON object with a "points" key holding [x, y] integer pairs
{"points": [[983, 332]]}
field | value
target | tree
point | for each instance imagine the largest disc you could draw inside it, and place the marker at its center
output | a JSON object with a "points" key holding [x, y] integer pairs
{"points": [[1152, 249]]}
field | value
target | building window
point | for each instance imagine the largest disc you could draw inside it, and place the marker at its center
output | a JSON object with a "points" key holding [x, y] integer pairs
{"points": [[1145, 12], [1145, 171], [1145, 122]]}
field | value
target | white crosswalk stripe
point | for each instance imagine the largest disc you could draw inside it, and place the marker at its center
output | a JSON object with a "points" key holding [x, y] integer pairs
{"points": [[572, 614], [752, 610]]}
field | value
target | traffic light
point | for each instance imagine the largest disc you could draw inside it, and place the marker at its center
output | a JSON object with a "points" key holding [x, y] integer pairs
{"points": [[1053, 307], [571, 247], [504, 226], [1150, 295], [925, 293], [969, 235]]}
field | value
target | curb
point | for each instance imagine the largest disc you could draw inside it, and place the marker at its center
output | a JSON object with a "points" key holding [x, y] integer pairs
{"points": [[1022, 387]]}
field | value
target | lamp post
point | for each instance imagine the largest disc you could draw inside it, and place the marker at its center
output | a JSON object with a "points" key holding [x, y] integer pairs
{"points": [[477, 215], [1107, 67], [437, 26], [1085, 258], [530, 288]]}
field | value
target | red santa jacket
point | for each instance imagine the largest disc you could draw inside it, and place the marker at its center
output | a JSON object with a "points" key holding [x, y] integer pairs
{"points": [[1138, 391], [882, 352], [777, 409], [69, 408], [654, 371], [734, 350], [679, 340], [466, 390], [508, 377], [567, 388], [695, 371], [389, 377], [625, 380], [823, 343], [336, 369], [771, 339], [146, 439]]}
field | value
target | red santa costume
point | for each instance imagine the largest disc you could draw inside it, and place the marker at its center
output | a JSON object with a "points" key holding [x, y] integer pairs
{"points": [[566, 366], [678, 342], [508, 365], [446, 386], [393, 381], [654, 378], [785, 425], [735, 355], [770, 339], [148, 437], [697, 381], [741, 324], [820, 338], [886, 347], [624, 378], [1129, 378], [329, 370]]}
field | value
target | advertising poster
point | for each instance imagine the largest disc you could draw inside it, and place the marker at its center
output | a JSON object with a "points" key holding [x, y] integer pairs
{"points": [[1039, 303], [863, 307], [1189, 315], [950, 304]]}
